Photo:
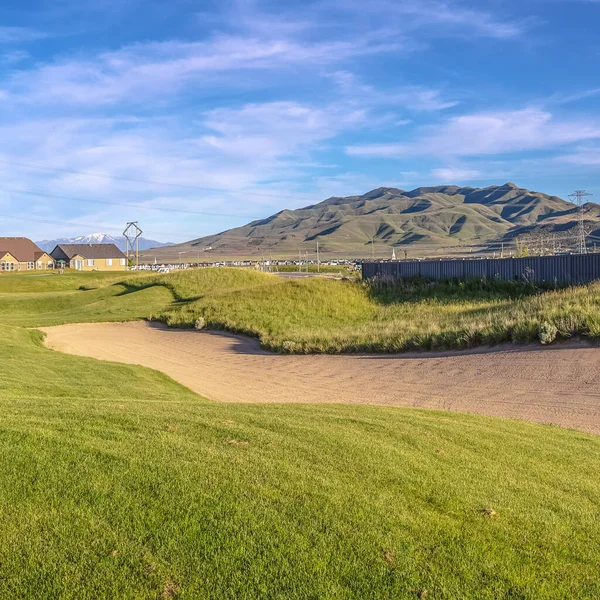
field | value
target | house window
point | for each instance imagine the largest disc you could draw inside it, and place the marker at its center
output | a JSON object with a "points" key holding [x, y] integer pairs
{"points": [[123, 262], [30, 266], [109, 262], [50, 264], [90, 262]]}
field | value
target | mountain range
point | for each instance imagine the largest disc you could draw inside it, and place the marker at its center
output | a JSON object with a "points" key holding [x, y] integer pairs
{"points": [[99, 238], [424, 221]]}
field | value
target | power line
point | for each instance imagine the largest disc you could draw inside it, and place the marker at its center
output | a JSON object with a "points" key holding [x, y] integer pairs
{"points": [[135, 179], [128, 204], [93, 226]]}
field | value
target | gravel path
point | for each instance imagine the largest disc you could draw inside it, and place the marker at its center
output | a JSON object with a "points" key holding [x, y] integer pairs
{"points": [[559, 384]]}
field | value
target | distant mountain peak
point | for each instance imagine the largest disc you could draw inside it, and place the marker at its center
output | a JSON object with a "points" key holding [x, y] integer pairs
{"points": [[100, 238]]}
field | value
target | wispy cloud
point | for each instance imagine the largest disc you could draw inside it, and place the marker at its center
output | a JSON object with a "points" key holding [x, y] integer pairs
{"points": [[407, 97], [582, 157], [454, 18], [562, 98], [130, 74], [277, 128], [455, 174], [246, 157], [13, 57], [488, 133], [12, 35]]}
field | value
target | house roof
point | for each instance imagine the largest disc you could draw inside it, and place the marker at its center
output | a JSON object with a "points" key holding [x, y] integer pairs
{"points": [[89, 250], [21, 248]]}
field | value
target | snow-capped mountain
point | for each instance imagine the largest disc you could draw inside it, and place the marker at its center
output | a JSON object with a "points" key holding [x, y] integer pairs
{"points": [[99, 238]]}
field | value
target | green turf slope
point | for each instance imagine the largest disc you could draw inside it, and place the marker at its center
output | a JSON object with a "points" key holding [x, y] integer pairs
{"points": [[319, 315], [116, 482]]}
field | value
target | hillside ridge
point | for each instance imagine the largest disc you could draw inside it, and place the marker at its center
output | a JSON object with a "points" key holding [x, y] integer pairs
{"points": [[424, 220]]}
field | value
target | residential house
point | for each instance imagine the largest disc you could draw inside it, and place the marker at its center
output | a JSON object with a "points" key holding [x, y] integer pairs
{"points": [[90, 257], [21, 254]]}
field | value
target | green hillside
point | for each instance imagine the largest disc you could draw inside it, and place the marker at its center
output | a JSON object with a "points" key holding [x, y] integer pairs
{"points": [[423, 221]]}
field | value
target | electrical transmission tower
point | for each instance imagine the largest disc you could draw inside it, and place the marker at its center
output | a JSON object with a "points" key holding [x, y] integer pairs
{"points": [[579, 197], [132, 234]]}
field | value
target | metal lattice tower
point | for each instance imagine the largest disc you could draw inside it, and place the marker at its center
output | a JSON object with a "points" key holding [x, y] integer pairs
{"points": [[579, 197], [132, 234]]}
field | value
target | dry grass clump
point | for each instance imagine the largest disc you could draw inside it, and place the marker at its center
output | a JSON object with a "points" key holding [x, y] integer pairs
{"points": [[323, 316]]}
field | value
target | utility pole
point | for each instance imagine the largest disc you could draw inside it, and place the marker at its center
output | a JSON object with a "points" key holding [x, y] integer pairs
{"points": [[299, 260], [579, 197], [318, 259], [373, 248], [132, 234]]}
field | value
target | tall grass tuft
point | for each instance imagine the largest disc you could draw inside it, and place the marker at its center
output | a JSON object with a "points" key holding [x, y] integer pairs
{"points": [[325, 316]]}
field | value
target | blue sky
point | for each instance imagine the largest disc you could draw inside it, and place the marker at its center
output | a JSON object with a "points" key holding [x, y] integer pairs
{"points": [[193, 117]]}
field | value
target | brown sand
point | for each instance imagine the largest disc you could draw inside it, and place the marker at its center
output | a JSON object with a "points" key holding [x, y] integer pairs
{"points": [[558, 384]]}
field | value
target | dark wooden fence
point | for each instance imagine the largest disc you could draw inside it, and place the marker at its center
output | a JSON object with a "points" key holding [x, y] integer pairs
{"points": [[570, 268]]}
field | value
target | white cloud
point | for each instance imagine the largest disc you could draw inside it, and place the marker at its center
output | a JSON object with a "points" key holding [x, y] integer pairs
{"points": [[411, 97], [247, 161], [451, 18], [487, 134], [11, 35], [276, 128], [137, 73], [455, 174], [419, 99], [253, 156], [589, 157], [562, 98], [13, 57], [324, 33]]}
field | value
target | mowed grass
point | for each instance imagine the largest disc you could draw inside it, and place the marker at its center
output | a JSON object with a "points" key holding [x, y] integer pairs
{"points": [[116, 482], [319, 315], [112, 303], [52, 281]]}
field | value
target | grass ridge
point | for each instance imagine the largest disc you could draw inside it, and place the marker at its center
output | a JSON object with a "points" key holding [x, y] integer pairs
{"points": [[323, 316]]}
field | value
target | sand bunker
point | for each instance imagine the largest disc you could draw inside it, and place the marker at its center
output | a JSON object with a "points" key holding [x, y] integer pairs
{"points": [[559, 384]]}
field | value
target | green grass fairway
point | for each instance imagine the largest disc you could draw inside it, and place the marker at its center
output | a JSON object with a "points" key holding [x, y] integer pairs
{"points": [[51, 281], [112, 303], [116, 482]]}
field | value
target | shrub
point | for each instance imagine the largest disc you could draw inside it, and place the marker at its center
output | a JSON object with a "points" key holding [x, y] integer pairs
{"points": [[547, 332]]}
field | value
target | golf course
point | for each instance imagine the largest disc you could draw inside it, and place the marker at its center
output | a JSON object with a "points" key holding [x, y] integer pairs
{"points": [[116, 481]]}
